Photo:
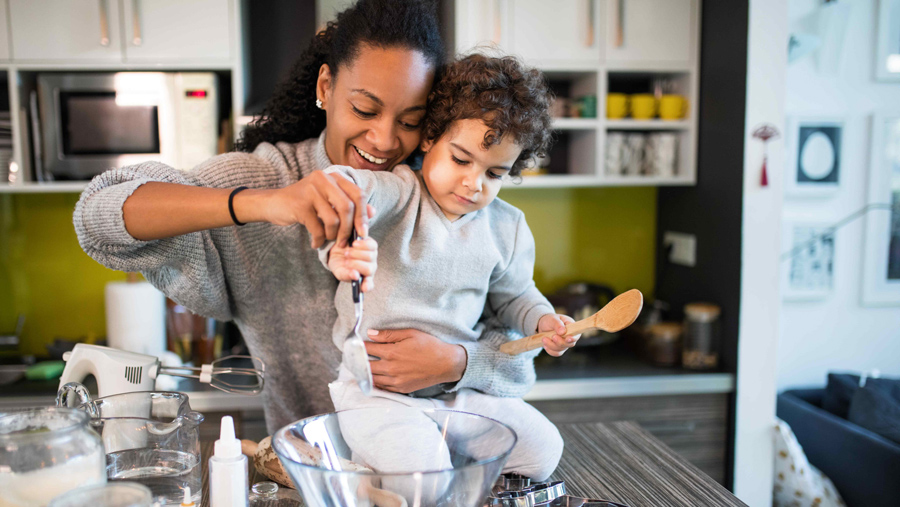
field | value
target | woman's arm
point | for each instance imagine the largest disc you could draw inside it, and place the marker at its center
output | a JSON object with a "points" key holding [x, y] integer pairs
{"points": [[184, 208], [323, 203]]}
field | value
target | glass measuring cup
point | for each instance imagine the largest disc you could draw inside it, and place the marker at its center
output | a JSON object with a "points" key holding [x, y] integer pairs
{"points": [[163, 455], [46, 452], [152, 438]]}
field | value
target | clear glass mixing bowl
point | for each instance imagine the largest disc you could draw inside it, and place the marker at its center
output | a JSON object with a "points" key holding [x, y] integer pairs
{"points": [[394, 457]]}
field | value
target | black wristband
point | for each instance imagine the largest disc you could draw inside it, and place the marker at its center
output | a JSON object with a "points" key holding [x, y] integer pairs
{"points": [[231, 205]]}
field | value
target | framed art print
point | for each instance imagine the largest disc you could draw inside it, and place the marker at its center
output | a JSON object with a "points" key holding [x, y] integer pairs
{"points": [[887, 51], [808, 272], [881, 261], [814, 151]]}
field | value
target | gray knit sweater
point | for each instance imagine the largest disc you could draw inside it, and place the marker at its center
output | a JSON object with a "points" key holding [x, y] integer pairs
{"points": [[264, 277]]}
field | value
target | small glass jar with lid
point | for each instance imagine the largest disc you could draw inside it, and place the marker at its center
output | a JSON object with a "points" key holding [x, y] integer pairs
{"points": [[700, 349], [664, 343]]}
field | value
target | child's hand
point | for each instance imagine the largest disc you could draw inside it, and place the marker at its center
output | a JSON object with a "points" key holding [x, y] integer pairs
{"points": [[348, 263], [557, 344]]}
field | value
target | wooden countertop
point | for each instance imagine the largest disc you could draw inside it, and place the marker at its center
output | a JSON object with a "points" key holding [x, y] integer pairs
{"points": [[616, 461]]}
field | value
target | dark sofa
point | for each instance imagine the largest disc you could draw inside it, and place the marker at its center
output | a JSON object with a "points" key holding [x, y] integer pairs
{"points": [[864, 466]]}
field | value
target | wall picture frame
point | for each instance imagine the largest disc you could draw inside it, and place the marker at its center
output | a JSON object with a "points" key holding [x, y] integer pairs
{"points": [[814, 155], [881, 250], [808, 270], [887, 49]]}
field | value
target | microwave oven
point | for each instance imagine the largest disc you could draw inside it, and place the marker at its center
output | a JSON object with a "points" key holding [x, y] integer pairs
{"points": [[87, 123]]}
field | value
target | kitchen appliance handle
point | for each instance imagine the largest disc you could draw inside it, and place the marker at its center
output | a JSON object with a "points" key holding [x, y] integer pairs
{"points": [[104, 23], [136, 22]]}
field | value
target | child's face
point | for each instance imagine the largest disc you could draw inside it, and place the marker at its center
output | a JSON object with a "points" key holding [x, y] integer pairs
{"points": [[461, 175]]}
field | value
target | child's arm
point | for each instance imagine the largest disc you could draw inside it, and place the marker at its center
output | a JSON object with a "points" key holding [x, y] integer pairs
{"points": [[519, 304], [382, 191], [387, 191]]}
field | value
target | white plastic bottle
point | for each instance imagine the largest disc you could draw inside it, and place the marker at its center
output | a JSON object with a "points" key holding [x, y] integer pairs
{"points": [[228, 470]]}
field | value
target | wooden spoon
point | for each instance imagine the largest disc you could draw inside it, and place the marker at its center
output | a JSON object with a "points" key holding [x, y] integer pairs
{"points": [[618, 314]]}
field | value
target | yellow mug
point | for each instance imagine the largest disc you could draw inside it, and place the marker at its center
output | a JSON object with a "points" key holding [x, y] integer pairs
{"points": [[672, 107], [616, 105], [643, 106]]}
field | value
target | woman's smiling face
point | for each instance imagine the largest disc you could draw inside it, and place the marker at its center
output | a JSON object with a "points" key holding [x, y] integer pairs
{"points": [[374, 106]]}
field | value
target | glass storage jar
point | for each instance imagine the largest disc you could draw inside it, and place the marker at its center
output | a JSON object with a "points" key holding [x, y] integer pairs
{"points": [[46, 452], [664, 343], [700, 349]]}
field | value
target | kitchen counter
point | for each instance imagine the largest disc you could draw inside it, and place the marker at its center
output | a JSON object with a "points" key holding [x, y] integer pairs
{"points": [[591, 372], [210, 400], [615, 461]]}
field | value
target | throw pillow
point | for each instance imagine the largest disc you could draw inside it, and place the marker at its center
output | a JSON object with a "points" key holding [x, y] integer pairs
{"points": [[876, 407], [797, 483], [838, 393]]}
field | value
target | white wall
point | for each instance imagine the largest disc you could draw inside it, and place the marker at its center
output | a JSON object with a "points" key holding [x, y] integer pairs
{"points": [[837, 333], [759, 314]]}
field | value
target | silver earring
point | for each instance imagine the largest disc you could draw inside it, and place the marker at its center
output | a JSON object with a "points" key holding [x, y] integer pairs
{"points": [[319, 104]]}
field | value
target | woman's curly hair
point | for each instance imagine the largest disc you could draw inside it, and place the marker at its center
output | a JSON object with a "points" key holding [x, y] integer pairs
{"points": [[291, 115], [510, 98]]}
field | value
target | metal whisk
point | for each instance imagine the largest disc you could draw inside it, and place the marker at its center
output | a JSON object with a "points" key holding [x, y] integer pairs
{"points": [[231, 379]]}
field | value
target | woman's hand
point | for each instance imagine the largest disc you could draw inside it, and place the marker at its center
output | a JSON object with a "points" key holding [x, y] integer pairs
{"points": [[360, 258], [559, 343], [326, 204], [413, 360]]}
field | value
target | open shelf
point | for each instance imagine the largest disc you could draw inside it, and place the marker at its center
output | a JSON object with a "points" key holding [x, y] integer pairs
{"points": [[575, 123], [629, 124], [55, 187]]}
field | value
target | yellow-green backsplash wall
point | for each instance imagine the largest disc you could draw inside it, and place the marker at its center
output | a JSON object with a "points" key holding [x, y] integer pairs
{"points": [[603, 235], [45, 275]]}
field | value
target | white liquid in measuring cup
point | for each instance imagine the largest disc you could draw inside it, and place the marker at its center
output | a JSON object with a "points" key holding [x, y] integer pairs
{"points": [[38, 487]]}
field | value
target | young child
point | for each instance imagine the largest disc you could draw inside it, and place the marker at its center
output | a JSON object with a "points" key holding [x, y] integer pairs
{"points": [[447, 246]]}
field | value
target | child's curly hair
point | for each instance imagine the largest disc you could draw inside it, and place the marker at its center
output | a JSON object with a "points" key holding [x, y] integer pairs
{"points": [[510, 98]]}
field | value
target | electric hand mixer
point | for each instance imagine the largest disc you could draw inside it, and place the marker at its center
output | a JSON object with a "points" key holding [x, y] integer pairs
{"points": [[119, 371]]}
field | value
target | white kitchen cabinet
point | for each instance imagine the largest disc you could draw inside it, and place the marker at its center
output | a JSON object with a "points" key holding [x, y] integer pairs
{"points": [[640, 32], [176, 30], [587, 49], [482, 23], [568, 31], [72, 30], [4, 31]]}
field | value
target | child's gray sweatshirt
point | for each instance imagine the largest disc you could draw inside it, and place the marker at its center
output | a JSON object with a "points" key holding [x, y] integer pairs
{"points": [[436, 275]]}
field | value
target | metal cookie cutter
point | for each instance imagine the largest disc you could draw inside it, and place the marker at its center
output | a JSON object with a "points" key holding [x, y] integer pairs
{"points": [[512, 482], [530, 496], [547, 492], [574, 501], [511, 499]]}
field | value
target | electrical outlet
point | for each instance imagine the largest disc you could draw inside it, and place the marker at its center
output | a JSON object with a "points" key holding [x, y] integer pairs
{"points": [[684, 248]]}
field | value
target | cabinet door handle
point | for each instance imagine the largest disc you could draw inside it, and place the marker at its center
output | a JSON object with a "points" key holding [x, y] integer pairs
{"points": [[104, 23], [620, 23], [589, 34], [498, 22], [136, 22]]}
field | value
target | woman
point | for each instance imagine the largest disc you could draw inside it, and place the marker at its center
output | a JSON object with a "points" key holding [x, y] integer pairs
{"points": [[356, 97]]}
